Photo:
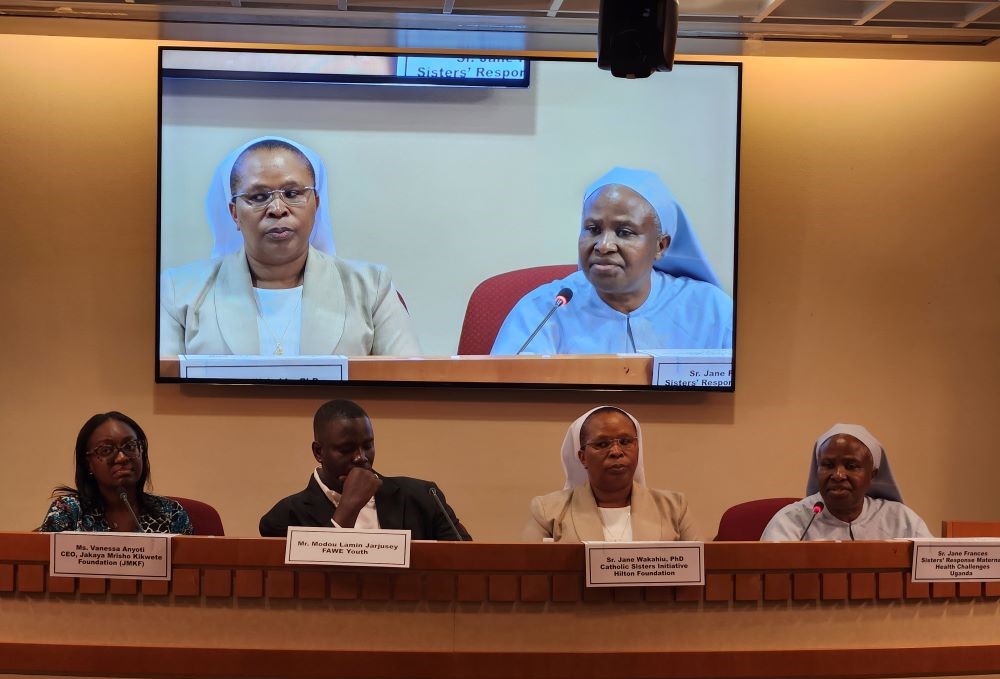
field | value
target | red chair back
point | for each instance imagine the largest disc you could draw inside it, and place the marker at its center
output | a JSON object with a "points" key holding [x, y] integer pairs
{"points": [[493, 299], [746, 522], [204, 518]]}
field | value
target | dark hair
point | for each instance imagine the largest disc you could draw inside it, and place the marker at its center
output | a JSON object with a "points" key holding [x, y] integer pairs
{"points": [[87, 489], [604, 409], [267, 145], [339, 409]]}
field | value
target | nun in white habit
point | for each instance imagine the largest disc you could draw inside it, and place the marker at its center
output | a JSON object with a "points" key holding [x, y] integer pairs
{"points": [[605, 497], [274, 285], [850, 491]]}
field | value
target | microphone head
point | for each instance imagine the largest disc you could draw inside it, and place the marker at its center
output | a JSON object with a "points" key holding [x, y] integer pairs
{"points": [[818, 507], [564, 296]]}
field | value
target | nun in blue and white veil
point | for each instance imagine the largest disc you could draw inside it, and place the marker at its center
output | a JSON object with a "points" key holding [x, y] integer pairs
{"points": [[684, 308]]}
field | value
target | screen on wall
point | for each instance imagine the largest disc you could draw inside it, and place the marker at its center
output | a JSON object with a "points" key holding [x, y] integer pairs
{"points": [[461, 220]]}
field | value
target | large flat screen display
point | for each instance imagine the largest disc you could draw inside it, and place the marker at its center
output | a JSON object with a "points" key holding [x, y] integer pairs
{"points": [[464, 220]]}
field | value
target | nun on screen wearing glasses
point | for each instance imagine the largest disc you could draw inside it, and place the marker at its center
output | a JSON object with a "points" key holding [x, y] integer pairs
{"points": [[850, 495], [605, 497], [273, 285]]}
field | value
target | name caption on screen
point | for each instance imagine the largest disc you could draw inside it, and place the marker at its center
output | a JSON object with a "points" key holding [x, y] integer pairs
{"points": [[950, 560], [710, 368], [122, 556], [644, 564], [348, 547], [287, 368]]}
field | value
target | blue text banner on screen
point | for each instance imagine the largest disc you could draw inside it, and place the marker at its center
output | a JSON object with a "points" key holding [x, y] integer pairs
{"points": [[346, 68]]}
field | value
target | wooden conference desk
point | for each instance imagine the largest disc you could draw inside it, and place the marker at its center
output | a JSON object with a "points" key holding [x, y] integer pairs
{"points": [[610, 370], [495, 610]]}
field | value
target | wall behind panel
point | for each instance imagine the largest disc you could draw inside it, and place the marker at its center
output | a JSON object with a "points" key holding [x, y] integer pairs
{"points": [[868, 292]]}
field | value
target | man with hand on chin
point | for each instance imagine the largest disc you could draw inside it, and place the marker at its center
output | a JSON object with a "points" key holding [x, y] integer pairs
{"points": [[345, 492], [851, 494]]}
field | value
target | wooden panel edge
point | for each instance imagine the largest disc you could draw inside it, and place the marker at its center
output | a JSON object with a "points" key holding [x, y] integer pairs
{"points": [[108, 661]]}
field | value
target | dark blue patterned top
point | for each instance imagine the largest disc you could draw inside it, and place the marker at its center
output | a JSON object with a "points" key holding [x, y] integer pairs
{"points": [[65, 513]]}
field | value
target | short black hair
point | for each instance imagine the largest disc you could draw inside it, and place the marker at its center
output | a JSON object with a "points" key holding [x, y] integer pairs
{"points": [[602, 409], [267, 145], [338, 409]]}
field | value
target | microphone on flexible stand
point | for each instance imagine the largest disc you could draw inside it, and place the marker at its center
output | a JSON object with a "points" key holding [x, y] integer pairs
{"points": [[562, 299], [817, 508], [434, 494], [124, 496]]}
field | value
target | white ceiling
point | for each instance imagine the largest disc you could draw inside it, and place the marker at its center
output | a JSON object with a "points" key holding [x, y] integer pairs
{"points": [[706, 26]]}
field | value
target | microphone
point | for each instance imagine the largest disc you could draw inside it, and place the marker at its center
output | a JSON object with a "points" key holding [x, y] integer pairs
{"points": [[434, 494], [124, 496], [562, 299], [817, 508]]}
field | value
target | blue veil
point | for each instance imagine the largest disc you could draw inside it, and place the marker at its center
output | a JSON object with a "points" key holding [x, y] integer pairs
{"points": [[684, 256]]}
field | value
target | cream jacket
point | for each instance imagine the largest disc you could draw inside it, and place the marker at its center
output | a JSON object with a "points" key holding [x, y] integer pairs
{"points": [[348, 308], [572, 516]]}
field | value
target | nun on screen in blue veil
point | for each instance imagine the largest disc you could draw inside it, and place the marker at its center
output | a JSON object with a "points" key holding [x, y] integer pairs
{"points": [[274, 285], [644, 282]]}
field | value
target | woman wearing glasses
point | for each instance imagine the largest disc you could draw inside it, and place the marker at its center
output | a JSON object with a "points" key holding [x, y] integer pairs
{"points": [[112, 469], [273, 285], [605, 497]]}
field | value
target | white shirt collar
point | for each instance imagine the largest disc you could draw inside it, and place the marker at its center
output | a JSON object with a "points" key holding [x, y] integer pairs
{"points": [[332, 495]]}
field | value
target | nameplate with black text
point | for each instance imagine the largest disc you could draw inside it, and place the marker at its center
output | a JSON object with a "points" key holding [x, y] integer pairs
{"points": [[709, 368], [123, 556], [956, 560], [348, 547], [292, 368], [644, 564]]}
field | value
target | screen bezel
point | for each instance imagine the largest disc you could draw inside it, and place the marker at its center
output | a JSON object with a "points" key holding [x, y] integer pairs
{"points": [[531, 57]]}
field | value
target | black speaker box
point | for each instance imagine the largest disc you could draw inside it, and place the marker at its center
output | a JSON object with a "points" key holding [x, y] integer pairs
{"points": [[636, 37]]}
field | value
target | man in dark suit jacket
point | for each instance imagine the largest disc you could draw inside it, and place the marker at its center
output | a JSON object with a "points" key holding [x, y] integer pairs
{"points": [[344, 491]]}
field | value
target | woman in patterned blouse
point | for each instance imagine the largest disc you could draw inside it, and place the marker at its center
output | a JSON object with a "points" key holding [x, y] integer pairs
{"points": [[112, 469]]}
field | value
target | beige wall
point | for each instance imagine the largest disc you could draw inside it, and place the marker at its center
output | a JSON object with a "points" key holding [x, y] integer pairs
{"points": [[868, 292]]}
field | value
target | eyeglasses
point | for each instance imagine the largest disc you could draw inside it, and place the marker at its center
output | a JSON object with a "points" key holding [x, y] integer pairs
{"points": [[605, 445], [259, 200], [108, 451]]}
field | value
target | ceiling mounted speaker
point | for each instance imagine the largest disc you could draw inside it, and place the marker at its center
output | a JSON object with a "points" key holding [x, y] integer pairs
{"points": [[636, 37]]}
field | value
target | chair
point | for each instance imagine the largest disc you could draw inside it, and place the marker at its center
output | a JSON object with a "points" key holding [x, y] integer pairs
{"points": [[970, 529], [493, 299], [204, 518], [746, 522]]}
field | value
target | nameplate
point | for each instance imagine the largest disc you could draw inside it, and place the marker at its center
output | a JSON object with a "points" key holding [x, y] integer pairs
{"points": [[122, 556], [956, 560], [298, 368], [645, 564], [347, 547], [692, 368]]}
